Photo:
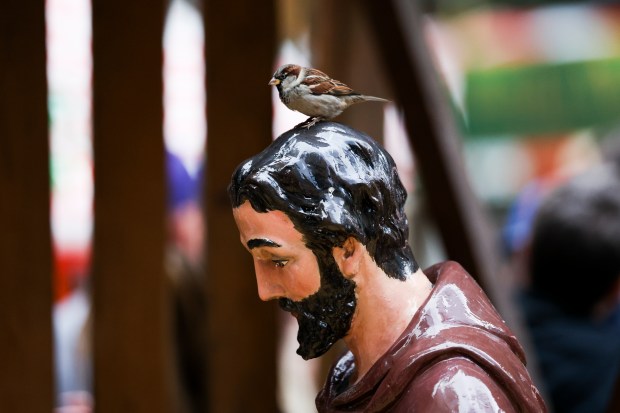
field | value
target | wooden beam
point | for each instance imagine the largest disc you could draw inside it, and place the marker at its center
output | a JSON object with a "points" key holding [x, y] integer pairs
{"points": [[131, 336], [431, 127], [343, 48], [25, 241], [240, 43], [465, 228]]}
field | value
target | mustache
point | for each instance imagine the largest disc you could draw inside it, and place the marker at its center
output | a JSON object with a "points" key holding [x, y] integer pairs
{"points": [[293, 307], [325, 316], [286, 304]]}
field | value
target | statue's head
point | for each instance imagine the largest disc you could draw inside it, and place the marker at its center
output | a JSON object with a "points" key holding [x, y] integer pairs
{"points": [[333, 183]]}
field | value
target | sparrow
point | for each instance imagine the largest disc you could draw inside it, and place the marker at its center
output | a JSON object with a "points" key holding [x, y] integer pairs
{"points": [[315, 94]]}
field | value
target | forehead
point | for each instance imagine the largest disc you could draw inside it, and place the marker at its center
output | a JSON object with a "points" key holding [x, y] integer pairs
{"points": [[272, 225]]}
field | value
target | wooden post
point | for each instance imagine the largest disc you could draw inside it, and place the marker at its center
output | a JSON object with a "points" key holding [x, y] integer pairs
{"points": [[25, 240], [465, 229], [131, 336], [434, 137], [240, 43], [343, 47]]}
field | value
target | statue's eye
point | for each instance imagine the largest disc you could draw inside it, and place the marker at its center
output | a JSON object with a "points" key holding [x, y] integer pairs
{"points": [[279, 263]]}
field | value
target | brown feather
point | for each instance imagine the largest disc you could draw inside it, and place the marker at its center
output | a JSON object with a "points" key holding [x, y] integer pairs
{"points": [[321, 86], [316, 72], [291, 70], [340, 89], [295, 70]]}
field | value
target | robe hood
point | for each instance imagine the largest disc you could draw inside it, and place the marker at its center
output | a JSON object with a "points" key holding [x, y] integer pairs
{"points": [[456, 320]]}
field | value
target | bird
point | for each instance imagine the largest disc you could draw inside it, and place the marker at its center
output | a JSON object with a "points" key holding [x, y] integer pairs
{"points": [[314, 93]]}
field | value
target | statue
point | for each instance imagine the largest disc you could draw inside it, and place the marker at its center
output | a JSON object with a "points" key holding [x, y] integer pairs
{"points": [[321, 211]]}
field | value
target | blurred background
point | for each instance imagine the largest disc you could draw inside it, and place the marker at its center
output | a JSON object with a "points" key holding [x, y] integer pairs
{"points": [[142, 298]]}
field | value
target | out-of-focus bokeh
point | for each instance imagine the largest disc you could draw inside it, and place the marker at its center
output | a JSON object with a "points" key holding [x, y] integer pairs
{"points": [[532, 87]]}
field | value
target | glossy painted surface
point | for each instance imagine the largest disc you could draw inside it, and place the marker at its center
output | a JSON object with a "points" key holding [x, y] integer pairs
{"points": [[308, 286], [318, 187], [457, 355], [284, 266], [333, 182]]}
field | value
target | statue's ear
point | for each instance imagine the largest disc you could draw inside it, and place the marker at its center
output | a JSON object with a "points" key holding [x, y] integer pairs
{"points": [[349, 256]]}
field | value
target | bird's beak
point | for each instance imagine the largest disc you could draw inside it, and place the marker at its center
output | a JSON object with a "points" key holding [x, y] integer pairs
{"points": [[274, 82]]}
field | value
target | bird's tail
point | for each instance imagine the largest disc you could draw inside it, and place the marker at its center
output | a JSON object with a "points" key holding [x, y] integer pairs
{"points": [[365, 98]]}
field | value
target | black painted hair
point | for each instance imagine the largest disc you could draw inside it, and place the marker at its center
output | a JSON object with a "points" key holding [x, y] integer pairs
{"points": [[575, 256], [333, 182]]}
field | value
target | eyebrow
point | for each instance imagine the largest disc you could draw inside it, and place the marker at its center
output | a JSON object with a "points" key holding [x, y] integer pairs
{"points": [[261, 242]]}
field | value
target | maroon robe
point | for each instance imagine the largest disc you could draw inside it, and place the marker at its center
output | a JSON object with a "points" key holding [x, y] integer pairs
{"points": [[456, 355]]}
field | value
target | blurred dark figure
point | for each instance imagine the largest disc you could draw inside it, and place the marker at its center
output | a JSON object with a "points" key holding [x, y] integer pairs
{"points": [[185, 273], [572, 302], [72, 316]]}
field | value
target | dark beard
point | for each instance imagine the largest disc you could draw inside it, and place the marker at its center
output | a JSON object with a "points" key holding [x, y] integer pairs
{"points": [[325, 316]]}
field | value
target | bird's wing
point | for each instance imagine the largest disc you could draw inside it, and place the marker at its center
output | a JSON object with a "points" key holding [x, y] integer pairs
{"points": [[321, 84]]}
